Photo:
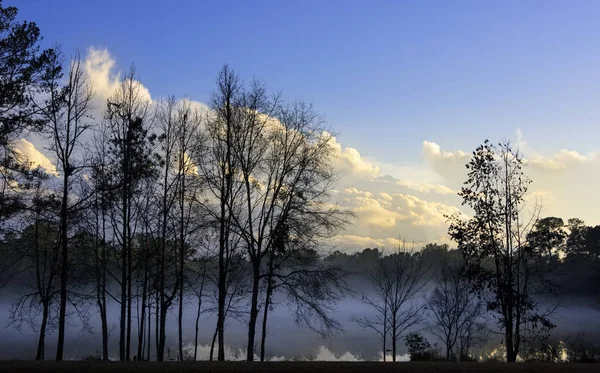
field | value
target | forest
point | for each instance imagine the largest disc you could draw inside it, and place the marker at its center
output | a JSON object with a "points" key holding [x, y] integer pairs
{"points": [[160, 214]]}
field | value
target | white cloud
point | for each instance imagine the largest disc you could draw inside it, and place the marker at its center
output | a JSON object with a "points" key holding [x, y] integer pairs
{"points": [[426, 187], [28, 153], [408, 200], [101, 71], [559, 161], [349, 160]]}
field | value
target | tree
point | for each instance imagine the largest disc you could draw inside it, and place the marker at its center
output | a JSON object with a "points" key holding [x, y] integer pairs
{"points": [[219, 169], [67, 114], [22, 66], [548, 238], [190, 220], [39, 256], [500, 260], [457, 312], [418, 347], [397, 280], [283, 157], [127, 122]]}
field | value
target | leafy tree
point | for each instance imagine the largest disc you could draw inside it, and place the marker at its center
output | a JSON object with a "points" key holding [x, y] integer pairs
{"points": [[419, 348], [22, 65], [500, 260]]}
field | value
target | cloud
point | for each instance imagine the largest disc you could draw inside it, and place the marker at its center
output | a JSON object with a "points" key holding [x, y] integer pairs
{"points": [[564, 182], [559, 161], [349, 160], [426, 187], [101, 71], [379, 216], [28, 153], [401, 199]]}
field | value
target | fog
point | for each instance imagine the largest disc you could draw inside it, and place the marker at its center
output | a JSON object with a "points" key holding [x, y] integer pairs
{"points": [[285, 340]]}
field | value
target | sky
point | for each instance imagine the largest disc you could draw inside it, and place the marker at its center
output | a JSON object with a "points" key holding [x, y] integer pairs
{"points": [[410, 88]]}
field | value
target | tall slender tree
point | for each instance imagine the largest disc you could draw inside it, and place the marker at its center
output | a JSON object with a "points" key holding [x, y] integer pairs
{"points": [[128, 122], [67, 114]]}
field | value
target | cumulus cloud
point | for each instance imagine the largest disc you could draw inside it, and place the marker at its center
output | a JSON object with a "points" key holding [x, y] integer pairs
{"points": [[28, 153], [349, 160], [426, 187], [101, 71], [392, 200], [564, 182], [379, 216], [559, 161]]}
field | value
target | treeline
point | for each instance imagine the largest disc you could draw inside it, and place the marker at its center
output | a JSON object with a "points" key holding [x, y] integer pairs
{"points": [[508, 263], [154, 201]]}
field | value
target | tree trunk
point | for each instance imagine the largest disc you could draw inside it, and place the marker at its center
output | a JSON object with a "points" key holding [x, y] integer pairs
{"points": [[394, 331], [103, 321], [181, 254], [129, 298], [156, 325], [149, 329], [385, 331], [265, 316], [253, 309], [122, 323], [222, 292], [197, 327], [42, 337], [64, 268], [142, 317], [163, 334], [212, 345], [511, 355], [180, 316]]}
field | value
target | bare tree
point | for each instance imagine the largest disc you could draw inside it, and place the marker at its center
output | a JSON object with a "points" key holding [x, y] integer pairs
{"points": [[218, 167], [398, 281], [67, 113], [294, 190], [457, 312], [127, 121], [39, 262], [190, 220]]}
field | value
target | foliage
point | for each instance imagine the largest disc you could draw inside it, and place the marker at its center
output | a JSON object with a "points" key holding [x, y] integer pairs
{"points": [[418, 347]]}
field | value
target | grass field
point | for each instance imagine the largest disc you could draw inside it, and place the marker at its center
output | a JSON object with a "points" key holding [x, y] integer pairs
{"points": [[302, 367]]}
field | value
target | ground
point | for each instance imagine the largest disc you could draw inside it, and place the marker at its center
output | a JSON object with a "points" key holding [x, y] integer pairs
{"points": [[301, 367]]}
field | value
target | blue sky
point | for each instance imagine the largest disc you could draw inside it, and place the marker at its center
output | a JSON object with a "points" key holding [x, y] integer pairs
{"points": [[387, 74], [410, 87]]}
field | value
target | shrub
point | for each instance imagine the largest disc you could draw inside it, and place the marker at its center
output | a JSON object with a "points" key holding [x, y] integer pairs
{"points": [[419, 348]]}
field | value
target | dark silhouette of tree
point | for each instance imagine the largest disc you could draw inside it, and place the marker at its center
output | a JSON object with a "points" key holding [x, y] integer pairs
{"points": [[67, 116], [22, 65], [398, 280], [219, 168], [494, 243], [131, 161], [37, 247], [457, 312]]}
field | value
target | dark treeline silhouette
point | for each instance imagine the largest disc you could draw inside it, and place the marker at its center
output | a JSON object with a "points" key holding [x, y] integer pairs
{"points": [[153, 203]]}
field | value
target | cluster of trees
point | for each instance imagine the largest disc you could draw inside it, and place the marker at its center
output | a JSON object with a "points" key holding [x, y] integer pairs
{"points": [[152, 203], [507, 263], [156, 201]]}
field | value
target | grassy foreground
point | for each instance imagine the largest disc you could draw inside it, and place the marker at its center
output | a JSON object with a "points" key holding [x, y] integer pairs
{"points": [[304, 367]]}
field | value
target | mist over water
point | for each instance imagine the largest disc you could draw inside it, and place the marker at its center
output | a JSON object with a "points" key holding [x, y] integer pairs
{"points": [[285, 341]]}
